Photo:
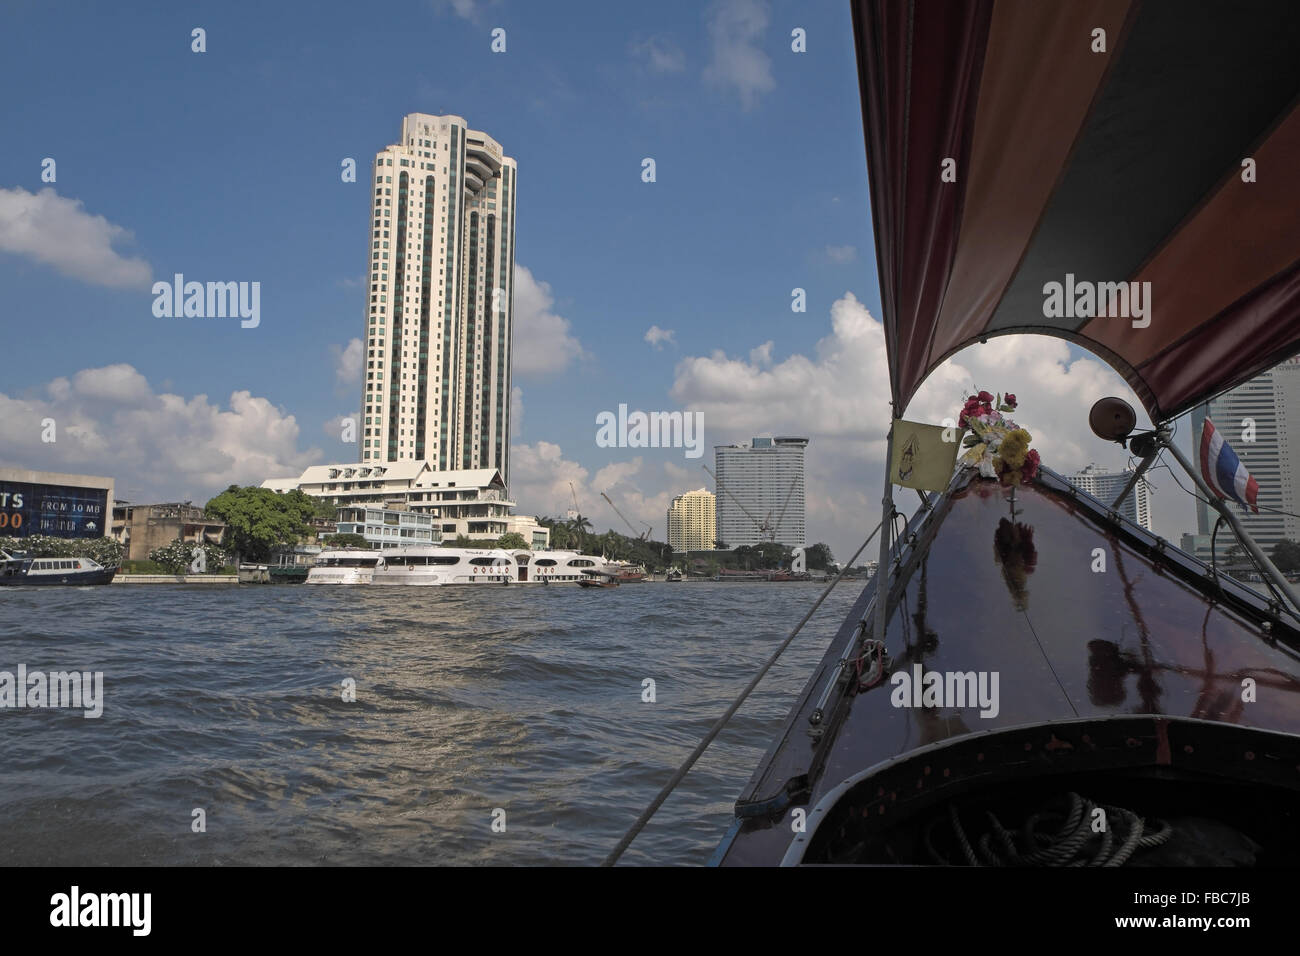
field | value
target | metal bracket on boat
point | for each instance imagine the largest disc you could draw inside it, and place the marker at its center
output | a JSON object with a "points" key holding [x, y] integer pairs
{"points": [[837, 678], [793, 788]]}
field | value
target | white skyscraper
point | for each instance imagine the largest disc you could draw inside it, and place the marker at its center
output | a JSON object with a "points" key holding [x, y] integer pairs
{"points": [[760, 493], [1106, 486], [438, 323], [1261, 421]]}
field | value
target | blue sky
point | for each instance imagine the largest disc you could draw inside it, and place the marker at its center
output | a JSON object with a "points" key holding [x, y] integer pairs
{"points": [[225, 166]]}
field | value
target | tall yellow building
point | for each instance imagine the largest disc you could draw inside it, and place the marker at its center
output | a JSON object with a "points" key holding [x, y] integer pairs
{"points": [[693, 521]]}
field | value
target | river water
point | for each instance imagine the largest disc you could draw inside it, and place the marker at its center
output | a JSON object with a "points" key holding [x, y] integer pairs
{"points": [[469, 700]]}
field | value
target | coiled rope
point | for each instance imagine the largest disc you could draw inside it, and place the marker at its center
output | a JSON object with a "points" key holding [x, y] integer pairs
{"points": [[1074, 841]]}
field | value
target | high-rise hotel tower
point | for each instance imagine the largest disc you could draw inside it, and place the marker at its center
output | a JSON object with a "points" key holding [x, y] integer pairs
{"points": [[438, 323]]}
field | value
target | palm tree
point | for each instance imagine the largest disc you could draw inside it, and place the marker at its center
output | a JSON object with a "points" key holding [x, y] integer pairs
{"points": [[580, 525]]}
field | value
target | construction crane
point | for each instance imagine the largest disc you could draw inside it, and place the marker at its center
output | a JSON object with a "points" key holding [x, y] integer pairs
{"points": [[765, 527], [781, 516], [576, 510], [642, 535]]}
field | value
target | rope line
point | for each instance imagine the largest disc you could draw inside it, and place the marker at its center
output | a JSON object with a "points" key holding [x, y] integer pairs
{"points": [[703, 745]]}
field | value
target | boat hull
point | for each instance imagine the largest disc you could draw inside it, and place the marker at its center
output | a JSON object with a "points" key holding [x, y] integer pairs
{"points": [[73, 579], [1105, 683]]}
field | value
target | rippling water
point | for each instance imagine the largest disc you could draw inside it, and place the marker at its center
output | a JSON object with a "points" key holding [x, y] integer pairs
{"points": [[468, 699]]}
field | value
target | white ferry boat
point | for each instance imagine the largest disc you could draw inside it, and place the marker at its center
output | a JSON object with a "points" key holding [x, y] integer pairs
{"points": [[431, 566], [555, 567], [21, 569], [343, 566]]}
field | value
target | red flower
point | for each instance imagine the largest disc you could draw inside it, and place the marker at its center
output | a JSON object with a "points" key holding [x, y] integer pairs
{"points": [[984, 397], [1009, 399], [1032, 461]]}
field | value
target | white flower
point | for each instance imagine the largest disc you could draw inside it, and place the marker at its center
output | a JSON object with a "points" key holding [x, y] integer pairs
{"points": [[986, 465]]}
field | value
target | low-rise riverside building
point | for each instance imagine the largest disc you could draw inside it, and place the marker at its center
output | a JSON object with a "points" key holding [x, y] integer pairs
{"points": [[469, 502], [389, 528], [142, 528]]}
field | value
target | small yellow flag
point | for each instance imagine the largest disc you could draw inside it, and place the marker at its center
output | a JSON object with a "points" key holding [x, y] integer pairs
{"points": [[924, 456]]}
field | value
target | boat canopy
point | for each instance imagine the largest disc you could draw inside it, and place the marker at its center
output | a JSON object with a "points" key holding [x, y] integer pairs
{"points": [[1013, 144]]}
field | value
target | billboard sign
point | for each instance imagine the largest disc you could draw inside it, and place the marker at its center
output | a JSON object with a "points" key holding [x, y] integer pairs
{"points": [[61, 511]]}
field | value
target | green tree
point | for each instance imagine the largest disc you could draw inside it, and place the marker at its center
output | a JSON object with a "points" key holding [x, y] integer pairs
{"points": [[561, 536], [580, 525], [818, 557], [512, 541], [772, 555], [261, 520], [323, 508], [345, 541], [1286, 555]]}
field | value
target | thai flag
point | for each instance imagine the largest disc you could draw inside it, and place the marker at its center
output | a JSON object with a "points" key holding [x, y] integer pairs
{"points": [[1223, 470]]}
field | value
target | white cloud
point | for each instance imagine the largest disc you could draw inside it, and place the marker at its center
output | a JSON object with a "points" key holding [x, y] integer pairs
{"points": [[156, 445], [334, 429], [657, 337], [661, 54], [737, 62], [543, 346], [841, 254], [539, 480], [57, 231], [839, 398], [469, 10], [540, 477], [348, 361]]}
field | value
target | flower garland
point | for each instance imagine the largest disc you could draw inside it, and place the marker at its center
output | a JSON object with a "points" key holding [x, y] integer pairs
{"points": [[997, 446]]}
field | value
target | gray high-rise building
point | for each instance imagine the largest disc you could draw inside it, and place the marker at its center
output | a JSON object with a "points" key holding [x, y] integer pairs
{"points": [[760, 493], [1261, 421], [438, 324], [1106, 485]]}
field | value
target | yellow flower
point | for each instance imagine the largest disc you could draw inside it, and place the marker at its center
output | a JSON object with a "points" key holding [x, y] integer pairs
{"points": [[1014, 448]]}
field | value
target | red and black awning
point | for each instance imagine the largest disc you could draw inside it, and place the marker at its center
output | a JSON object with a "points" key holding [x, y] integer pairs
{"points": [[1116, 166]]}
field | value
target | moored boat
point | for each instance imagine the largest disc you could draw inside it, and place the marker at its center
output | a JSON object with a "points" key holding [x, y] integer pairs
{"points": [[437, 567], [343, 566], [599, 579], [554, 567], [23, 570], [628, 573]]}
